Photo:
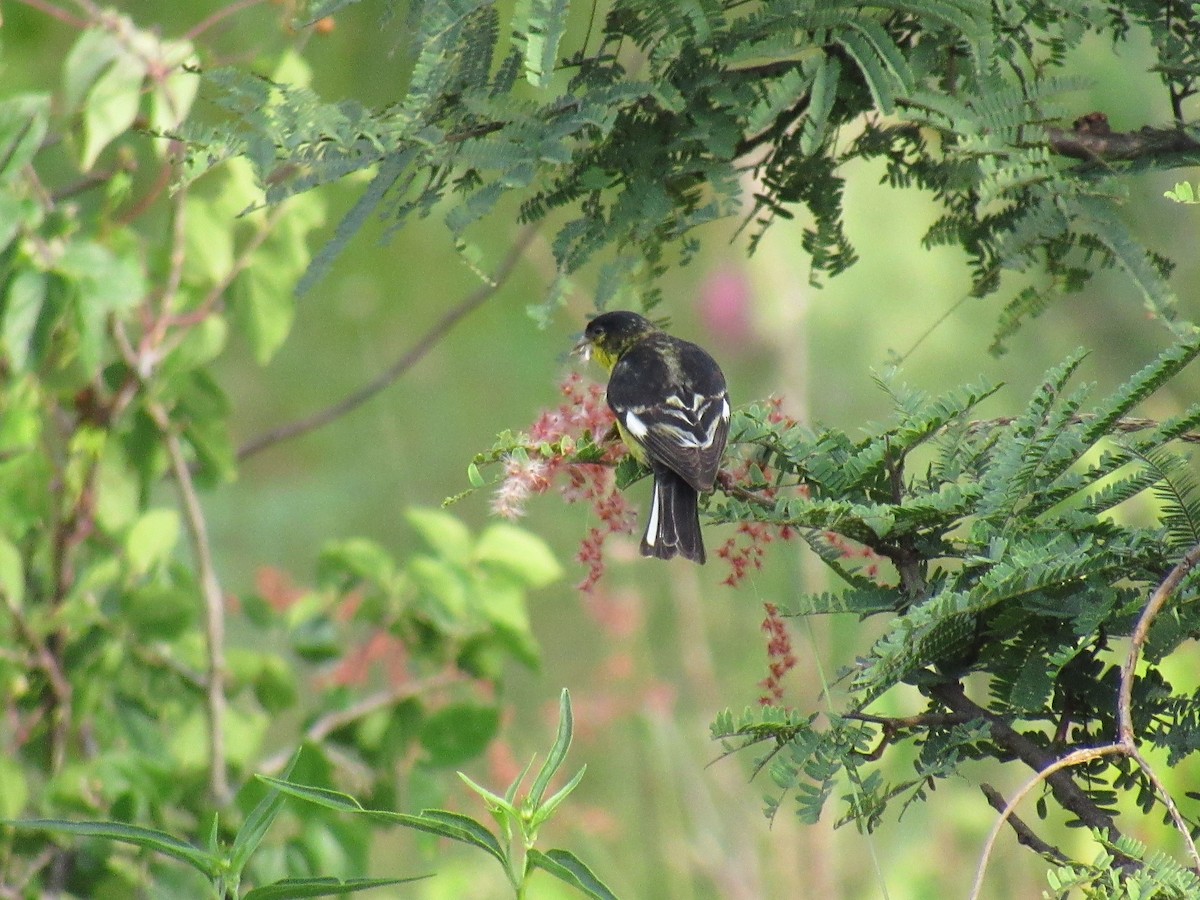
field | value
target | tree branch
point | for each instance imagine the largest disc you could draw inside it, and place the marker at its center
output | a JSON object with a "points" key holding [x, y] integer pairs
{"points": [[1025, 835], [1091, 138], [1068, 794], [397, 370]]}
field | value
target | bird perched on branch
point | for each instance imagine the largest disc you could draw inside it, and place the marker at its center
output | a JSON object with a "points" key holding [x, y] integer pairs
{"points": [[672, 411]]}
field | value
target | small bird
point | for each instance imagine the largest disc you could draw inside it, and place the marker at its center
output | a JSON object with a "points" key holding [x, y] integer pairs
{"points": [[672, 411]]}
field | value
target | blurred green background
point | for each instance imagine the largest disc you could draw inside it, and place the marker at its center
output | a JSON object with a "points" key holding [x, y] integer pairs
{"points": [[660, 648]]}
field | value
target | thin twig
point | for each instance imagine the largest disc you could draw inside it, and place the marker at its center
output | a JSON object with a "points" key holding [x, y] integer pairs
{"points": [[210, 586], [60, 686], [395, 371], [1138, 639], [214, 605], [1125, 696], [178, 257], [56, 12], [325, 725], [221, 14]]}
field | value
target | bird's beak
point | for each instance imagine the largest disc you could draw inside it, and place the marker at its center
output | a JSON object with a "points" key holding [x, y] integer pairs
{"points": [[583, 348]]}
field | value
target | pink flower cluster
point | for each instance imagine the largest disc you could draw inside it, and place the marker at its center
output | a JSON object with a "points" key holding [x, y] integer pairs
{"points": [[780, 655], [583, 411], [744, 551]]}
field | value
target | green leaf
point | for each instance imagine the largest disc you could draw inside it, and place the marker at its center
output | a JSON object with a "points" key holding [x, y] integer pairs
{"points": [[95, 49], [494, 801], [293, 888], [152, 539], [172, 97], [104, 283], [546, 810], [344, 563], [445, 534], [566, 867], [482, 836], [264, 307], [325, 797], [458, 733], [336, 800], [542, 23], [519, 552], [14, 790], [23, 124], [12, 574], [149, 838], [22, 312], [159, 611], [1157, 293], [558, 752], [111, 105], [275, 684], [474, 476], [255, 828]]}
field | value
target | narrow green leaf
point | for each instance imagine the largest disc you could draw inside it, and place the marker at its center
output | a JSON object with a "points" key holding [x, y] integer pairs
{"points": [[482, 835], [259, 821], [1159, 297], [879, 80], [543, 30], [296, 888], [546, 810], [345, 803], [822, 95], [493, 800], [511, 794], [558, 753], [566, 867], [320, 796], [151, 839]]}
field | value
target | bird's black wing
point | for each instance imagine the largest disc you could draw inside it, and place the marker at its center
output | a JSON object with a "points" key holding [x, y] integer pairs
{"points": [[670, 396]]}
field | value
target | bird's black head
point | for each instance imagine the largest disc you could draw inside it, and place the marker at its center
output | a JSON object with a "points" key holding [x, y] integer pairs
{"points": [[613, 331]]}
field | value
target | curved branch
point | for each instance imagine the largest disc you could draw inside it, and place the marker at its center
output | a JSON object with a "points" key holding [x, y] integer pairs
{"points": [[1056, 768], [397, 370], [1125, 745]]}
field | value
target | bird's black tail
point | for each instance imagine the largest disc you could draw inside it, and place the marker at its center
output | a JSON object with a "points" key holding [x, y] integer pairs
{"points": [[674, 524]]}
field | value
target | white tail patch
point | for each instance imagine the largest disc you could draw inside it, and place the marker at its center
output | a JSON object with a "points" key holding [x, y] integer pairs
{"points": [[652, 523]]}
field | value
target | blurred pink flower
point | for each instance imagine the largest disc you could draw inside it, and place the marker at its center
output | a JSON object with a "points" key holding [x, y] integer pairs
{"points": [[725, 304]]}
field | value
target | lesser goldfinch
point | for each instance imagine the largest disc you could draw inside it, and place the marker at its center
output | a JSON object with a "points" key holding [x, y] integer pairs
{"points": [[672, 411]]}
